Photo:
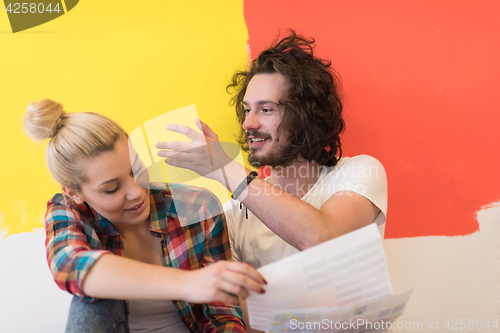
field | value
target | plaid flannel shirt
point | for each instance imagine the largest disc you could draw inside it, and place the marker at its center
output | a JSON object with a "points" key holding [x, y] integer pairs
{"points": [[77, 236]]}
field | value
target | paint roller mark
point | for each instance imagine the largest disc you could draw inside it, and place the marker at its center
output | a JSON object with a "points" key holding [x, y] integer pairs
{"points": [[3, 232], [19, 208]]}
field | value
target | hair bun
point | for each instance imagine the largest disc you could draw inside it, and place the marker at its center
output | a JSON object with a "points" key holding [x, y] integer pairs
{"points": [[43, 119]]}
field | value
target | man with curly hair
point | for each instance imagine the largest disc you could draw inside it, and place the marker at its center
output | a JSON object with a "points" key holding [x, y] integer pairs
{"points": [[289, 107], [290, 110]]}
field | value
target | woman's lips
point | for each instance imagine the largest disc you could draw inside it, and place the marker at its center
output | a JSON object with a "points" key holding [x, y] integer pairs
{"points": [[138, 209]]}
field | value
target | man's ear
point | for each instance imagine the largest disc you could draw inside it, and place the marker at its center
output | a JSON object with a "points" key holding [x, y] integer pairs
{"points": [[74, 195]]}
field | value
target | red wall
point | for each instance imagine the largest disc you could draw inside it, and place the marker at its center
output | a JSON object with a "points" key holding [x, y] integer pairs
{"points": [[420, 80]]}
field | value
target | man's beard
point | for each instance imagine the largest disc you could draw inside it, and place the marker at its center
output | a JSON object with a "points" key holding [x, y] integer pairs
{"points": [[279, 157]]}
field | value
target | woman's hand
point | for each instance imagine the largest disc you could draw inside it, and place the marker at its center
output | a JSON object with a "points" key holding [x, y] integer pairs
{"points": [[222, 281], [203, 155]]}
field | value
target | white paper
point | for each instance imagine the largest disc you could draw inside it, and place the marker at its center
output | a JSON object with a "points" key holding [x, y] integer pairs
{"points": [[345, 271], [375, 316]]}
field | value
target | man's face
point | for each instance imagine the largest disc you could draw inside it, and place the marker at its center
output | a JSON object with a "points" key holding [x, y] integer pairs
{"points": [[263, 116]]}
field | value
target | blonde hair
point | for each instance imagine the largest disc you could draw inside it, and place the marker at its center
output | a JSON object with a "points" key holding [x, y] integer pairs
{"points": [[74, 136]]}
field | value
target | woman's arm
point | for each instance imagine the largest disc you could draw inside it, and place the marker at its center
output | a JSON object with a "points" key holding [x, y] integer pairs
{"points": [[81, 266], [117, 277]]}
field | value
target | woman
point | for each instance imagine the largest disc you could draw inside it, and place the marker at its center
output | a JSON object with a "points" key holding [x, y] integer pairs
{"points": [[108, 237]]}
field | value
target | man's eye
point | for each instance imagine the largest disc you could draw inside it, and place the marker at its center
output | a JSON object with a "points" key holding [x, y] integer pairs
{"points": [[266, 110]]}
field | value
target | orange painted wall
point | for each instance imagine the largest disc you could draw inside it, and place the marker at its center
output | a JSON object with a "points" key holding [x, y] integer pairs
{"points": [[420, 80]]}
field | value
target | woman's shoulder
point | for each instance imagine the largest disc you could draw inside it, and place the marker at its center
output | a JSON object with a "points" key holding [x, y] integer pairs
{"points": [[183, 192], [187, 203], [61, 207]]}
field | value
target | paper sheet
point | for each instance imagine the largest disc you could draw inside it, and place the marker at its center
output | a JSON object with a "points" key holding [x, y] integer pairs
{"points": [[375, 316], [345, 271]]}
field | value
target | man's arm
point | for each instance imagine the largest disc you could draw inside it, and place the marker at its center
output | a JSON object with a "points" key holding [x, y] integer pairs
{"points": [[300, 224], [295, 221]]}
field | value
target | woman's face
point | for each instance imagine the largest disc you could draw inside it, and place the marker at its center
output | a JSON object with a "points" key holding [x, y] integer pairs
{"points": [[111, 189]]}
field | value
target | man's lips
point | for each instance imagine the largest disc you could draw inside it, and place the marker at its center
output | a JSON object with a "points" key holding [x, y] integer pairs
{"points": [[255, 140]]}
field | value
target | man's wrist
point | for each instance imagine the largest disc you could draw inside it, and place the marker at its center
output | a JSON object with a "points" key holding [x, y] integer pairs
{"points": [[243, 185], [232, 175]]}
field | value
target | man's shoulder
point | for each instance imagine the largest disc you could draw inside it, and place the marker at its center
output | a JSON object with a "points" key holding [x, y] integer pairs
{"points": [[357, 160], [359, 164]]}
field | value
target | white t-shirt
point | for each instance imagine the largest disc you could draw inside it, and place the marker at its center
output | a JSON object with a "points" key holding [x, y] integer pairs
{"points": [[254, 243]]}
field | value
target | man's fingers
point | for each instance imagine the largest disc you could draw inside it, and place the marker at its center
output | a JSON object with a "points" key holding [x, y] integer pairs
{"points": [[175, 145], [180, 156], [187, 131], [198, 124], [207, 131]]}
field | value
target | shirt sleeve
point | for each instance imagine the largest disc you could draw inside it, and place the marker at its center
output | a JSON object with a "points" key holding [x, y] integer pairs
{"points": [[221, 317], [69, 254], [366, 176]]}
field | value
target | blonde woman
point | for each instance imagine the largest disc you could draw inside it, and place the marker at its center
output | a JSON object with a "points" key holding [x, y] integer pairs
{"points": [[115, 242]]}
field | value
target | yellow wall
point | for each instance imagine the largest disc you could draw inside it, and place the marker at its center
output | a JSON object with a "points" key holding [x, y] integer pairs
{"points": [[130, 62]]}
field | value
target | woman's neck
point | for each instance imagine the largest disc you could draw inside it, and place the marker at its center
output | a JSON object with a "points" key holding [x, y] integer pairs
{"points": [[133, 230]]}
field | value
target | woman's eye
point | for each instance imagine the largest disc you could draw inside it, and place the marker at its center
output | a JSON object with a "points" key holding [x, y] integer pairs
{"points": [[111, 191], [266, 110]]}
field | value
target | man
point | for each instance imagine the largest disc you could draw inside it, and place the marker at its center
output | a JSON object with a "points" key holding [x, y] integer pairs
{"points": [[289, 107], [290, 110]]}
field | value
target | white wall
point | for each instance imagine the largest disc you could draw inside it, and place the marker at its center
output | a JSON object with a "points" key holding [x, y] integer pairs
{"points": [[30, 301], [453, 278]]}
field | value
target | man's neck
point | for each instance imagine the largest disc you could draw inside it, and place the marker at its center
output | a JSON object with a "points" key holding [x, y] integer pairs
{"points": [[297, 178]]}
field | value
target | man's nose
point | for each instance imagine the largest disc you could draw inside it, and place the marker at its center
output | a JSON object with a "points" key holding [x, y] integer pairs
{"points": [[251, 122]]}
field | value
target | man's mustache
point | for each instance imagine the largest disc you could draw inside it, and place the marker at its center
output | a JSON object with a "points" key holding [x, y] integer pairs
{"points": [[258, 134]]}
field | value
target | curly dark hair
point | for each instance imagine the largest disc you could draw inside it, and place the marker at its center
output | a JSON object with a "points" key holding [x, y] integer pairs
{"points": [[313, 106]]}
